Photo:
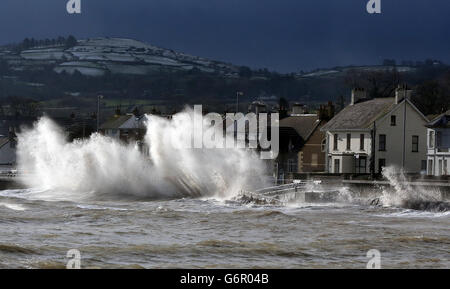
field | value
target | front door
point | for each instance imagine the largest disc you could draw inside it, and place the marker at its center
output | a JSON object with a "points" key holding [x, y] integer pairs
{"points": [[337, 166], [381, 165], [360, 165]]}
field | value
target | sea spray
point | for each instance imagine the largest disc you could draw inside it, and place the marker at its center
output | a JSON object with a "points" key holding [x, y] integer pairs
{"points": [[101, 167], [404, 194]]}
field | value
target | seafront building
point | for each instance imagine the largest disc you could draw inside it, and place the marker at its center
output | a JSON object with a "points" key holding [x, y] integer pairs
{"points": [[438, 145], [370, 134], [129, 128], [302, 143]]}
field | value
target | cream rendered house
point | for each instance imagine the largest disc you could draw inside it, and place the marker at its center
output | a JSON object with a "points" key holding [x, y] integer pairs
{"points": [[370, 134], [438, 145]]}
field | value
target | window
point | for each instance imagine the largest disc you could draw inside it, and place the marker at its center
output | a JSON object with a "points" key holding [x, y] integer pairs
{"points": [[393, 120], [335, 142], [438, 139], [323, 146], [431, 139], [361, 141], [382, 142], [423, 166], [292, 166], [337, 166], [415, 143], [430, 167], [360, 165], [349, 140], [381, 165]]}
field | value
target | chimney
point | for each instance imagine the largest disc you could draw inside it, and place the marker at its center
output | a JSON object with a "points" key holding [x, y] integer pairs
{"points": [[326, 112], [330, 110], [136, 111], [12, 133], [402, 92], [298, 108], [357, 94], [117, 112], [257, 107]]}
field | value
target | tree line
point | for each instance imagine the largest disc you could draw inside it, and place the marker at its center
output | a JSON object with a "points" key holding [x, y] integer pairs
{"points": [[430, 85], [29, 43]]}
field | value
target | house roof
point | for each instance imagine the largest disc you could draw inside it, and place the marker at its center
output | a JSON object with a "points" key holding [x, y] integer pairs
{"points": [[360, 115], [304, 125], [128, 121], [3, 140], [115, 122], [433, 116], [442, 121]]}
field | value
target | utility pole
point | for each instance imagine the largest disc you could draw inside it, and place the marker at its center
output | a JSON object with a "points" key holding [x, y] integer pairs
{"points": [[98, 110], [237, 100], [404, 128], [84, 127], [372, 151]]}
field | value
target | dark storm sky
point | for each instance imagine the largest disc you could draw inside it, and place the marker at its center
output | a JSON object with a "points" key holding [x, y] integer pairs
{"points": [[282, 35]]}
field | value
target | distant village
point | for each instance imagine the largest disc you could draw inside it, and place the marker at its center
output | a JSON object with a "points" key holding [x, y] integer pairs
{"points": [[357, 142]]}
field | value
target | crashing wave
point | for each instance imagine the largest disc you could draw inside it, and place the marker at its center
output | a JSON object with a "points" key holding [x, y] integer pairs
{"points": [[101, 167], [404, 195]]}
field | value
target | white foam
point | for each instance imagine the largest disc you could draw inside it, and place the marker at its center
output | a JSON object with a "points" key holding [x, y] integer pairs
{"points": [[95, 207], [15, 207], [415, 214], [403, 191], [103, 167]]}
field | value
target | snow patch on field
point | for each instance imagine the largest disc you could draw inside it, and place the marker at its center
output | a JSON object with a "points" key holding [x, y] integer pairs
{"points": [[89, 71]]}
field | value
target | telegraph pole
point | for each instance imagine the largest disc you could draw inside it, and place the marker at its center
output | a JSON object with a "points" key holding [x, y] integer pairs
{"points": [[98, 110], [237, 100], [404, 128]]}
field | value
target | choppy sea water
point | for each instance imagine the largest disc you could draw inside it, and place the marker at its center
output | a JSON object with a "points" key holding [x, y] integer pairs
{"points": [[211, 233]]}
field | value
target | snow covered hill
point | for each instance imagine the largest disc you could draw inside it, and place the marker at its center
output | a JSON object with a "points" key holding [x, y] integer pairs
{"points": [[97, 56]]}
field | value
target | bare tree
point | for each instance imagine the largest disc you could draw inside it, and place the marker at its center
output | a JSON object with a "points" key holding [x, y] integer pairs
{"points": [[378, 83]]}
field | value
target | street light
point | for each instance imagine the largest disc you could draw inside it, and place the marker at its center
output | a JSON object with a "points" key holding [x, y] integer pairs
{"points": [[98, 110], [237, 100]]}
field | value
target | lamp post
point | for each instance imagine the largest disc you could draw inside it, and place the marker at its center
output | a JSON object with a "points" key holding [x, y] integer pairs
{"points": [[98, 110], [237, 100]]}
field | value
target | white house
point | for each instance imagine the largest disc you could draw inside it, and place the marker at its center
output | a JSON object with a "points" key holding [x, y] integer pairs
{"points": [[438, 145], [372, 133], [127, 128]]}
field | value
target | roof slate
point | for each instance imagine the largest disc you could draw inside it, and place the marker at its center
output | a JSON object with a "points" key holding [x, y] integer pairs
{"points": [[304, 125], [3, 140], [360, 115], [442, 121], [115, 122]]}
